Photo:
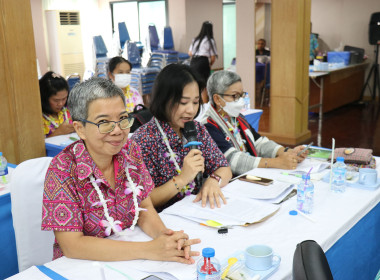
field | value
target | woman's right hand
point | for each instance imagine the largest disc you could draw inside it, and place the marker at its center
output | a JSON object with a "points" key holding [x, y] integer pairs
{"points": [[287, 160], [192, 164], [65, 128], [165, 247]]}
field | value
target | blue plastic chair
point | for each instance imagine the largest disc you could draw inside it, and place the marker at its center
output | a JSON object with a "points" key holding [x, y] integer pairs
{"points": [[153, 38], [123, 34], [168, 38], [100, 47], [169, 44], [72, 80], [133, 54]]}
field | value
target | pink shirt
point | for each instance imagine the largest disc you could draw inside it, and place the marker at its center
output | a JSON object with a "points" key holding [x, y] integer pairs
{"points": [[69, 195]]}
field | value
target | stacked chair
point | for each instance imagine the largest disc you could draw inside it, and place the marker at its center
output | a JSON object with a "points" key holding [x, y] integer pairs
{"points": [[160, 57], [169, 44], [101, 63], [124, 38]]}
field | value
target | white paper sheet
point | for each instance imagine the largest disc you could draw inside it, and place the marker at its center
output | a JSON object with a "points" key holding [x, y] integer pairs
{"points": [[62, 140], [252, 190], [237, 211]]}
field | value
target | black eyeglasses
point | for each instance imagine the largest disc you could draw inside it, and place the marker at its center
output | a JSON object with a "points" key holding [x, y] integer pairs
{"points": [[236, 96], [108, 126]]}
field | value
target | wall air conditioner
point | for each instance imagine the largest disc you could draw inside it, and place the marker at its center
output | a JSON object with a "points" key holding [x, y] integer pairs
{"points": [[65, 42]]}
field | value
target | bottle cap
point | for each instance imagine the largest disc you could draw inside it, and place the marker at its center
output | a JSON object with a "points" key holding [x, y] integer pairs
{"points": [[341, 159], [293, 213], [208, 252]]}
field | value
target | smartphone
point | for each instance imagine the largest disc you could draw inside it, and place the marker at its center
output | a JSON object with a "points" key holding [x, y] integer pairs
{"points": [[259, 180], [151, 277], [305, 149]]}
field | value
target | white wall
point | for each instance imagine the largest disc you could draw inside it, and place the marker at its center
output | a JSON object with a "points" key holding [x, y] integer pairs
{"points": [[177, 21], [198, 11], [346, 22]]}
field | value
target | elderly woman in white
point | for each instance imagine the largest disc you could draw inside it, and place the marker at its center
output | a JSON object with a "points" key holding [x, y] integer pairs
{"points": [[240, 143]]}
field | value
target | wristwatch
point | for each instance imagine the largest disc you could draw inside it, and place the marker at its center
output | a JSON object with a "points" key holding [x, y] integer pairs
{"points": [[286, 149], [216, 177]]}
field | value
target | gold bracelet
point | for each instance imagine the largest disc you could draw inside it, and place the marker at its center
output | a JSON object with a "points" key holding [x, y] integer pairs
{"points": [[175, 184]]}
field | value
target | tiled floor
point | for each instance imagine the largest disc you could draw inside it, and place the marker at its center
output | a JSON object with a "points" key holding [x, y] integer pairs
{"points": [[354, 125]]}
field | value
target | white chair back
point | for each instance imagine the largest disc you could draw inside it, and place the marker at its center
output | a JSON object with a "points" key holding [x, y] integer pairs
{"points": [[34, 246]]}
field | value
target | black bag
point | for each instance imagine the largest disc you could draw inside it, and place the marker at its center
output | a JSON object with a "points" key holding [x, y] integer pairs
{"points": [[142, 115]]}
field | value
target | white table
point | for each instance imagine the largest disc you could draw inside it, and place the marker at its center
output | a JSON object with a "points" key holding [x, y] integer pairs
{"points": [[335, 215]]}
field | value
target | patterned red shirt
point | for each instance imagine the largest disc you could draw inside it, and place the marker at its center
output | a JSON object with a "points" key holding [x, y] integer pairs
{"points": [[69, 195], [160, 168]]}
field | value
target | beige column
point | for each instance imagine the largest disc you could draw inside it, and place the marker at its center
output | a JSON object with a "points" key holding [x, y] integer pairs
{"points": [[245, 46], [21, 133], [289, 92]]}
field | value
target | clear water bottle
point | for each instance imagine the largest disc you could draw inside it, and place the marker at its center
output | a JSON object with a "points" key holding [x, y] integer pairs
{"points": [[339, 176], [305, 195], [208, 267], [247, 101], [4, 177]]}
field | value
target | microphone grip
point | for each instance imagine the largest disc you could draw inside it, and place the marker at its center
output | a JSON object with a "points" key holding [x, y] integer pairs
{"points": [[199, 179]]}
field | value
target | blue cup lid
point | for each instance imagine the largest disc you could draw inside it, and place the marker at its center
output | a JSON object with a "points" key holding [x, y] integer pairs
{"points": [[208, 252], [305, 176]]}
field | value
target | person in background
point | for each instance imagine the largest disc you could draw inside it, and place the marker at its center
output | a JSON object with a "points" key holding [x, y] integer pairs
{"points": [[314, 46], [261, 44], [173, 165], [240, 143], [119, 70], [56, 118], [99, 186], [203, 54]]}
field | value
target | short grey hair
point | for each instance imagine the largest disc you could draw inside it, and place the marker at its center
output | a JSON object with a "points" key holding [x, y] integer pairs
{"points": [[219, 82], [84, 93]]}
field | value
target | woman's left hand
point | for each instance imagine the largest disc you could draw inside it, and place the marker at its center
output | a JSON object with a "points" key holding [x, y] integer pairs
{"points": [[210, 191], [184, 244]]}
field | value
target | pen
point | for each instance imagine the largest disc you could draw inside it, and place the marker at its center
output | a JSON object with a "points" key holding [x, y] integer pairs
{"points": [[306, 216], [304, 150], [296, 175]]}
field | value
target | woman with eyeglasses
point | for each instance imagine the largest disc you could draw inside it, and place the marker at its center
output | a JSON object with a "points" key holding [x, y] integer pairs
{"points": [[241, 144], [100, 186], [173, 165], [56, 118]]}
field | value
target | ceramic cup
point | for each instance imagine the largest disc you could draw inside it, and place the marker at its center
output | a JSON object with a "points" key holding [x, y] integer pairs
{"points": [[259, 257], [367, 176]]}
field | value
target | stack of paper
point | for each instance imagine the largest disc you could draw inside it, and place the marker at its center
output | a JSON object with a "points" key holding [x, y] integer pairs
{"points": [[237, 211], [63, 140]]}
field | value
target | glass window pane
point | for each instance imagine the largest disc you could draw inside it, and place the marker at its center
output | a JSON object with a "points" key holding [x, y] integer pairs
{"points": [[152, 12], [229, 34], [127, 12]]}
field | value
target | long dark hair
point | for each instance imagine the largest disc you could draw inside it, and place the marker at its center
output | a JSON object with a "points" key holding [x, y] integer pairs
{"points": [[206, 31], [50, 84], [168, 88]]}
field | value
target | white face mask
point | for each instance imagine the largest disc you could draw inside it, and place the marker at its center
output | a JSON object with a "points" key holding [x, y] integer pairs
{"points": [[122, 80], [234, 108]]}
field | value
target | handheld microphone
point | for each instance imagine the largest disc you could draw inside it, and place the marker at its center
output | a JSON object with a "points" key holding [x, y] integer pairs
{"points": [[190, 133]]}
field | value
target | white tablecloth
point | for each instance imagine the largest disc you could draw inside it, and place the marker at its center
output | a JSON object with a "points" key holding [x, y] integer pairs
{"points": [[334, 214]]}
